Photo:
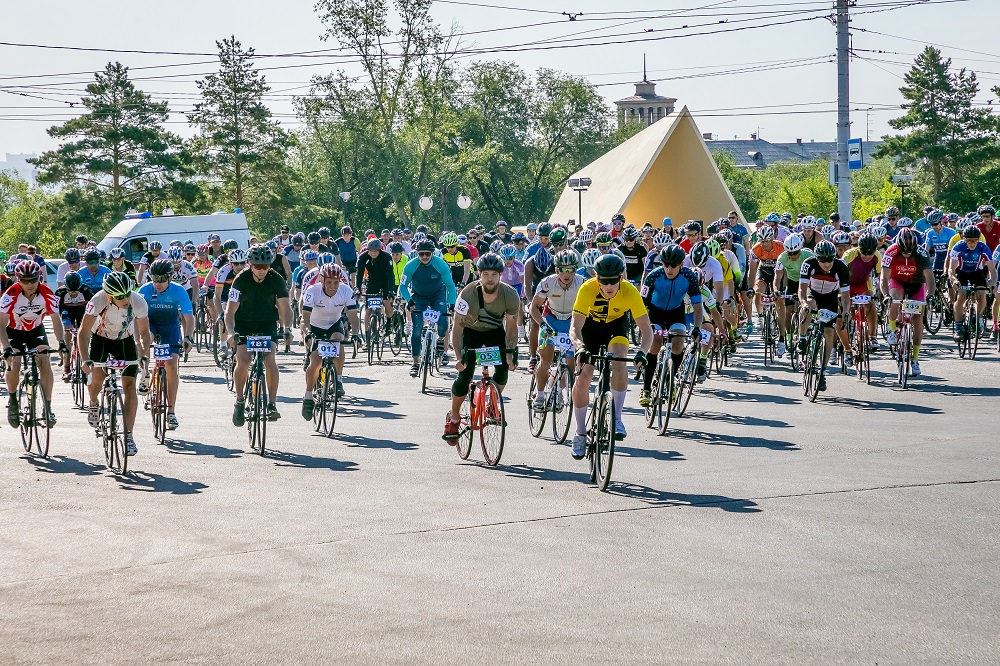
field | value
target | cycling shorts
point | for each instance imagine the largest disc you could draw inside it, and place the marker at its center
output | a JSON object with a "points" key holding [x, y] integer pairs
{"points": [[860, 290], [169, 335], [102, 348], [911, 291], [667, 318], [975, 278], [351, 266], [71, 319], [471, 339], [597, 334], [23, 340], [827, 302]]}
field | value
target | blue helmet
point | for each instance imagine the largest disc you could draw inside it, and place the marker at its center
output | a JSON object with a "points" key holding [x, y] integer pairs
{"points": [[508, 252], [543, 260]]}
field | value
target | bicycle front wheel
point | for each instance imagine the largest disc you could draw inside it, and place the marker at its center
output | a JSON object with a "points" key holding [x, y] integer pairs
{"points": [[536, 420], [464, 443], [562, 407], [686, 378], [493, 423], [330, 400], [160, 405], [604, 442], [115, 452]]}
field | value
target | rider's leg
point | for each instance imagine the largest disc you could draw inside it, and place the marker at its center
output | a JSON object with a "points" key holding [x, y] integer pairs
{"points": [[312, 372], [240, 370], [271, 375], [619, 377], [173, 381], [651, 363], [12, 376], [94, 388], [545, 356], [131, 401], [581, 397]]}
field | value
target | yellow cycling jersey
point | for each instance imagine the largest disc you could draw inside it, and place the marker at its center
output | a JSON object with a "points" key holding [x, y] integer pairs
{"points": [[590, 302], [727, 270], [397, 268], [954, 240]]}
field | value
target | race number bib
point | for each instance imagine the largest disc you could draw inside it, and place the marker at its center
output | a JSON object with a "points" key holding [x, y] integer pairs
{"points": [[861, 300], [462, 306], [488, 356], [328, 349], [644, 292], [826, 316], [562, 342], [234, 295], [374, 302], [258, 343], [706, 336], [431, 316], [913, 307], [161, 352], [115, 363]]}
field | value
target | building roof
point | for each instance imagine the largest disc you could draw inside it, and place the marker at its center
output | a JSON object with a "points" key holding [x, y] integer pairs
{"points": [[758, 153], [826, 150]]}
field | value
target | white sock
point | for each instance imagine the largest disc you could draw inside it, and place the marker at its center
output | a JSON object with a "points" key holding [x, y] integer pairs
{"points": [[539, 394], [581, 420], [452, 419], [619, 402], [308, 395]]}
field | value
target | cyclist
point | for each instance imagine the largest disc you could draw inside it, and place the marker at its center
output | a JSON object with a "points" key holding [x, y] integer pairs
{"points": [[892, 227], [485, 316], [280, 264], [293, 252], [375, 267], [552, 311], [71, 265], [971, 265], [457, 257], [664, 292], [324, 306], [520, 242], [426, 284], [909, 276], [182, 272], [113, 317], [73, 297], [167, 306], [763, 258], [513, 275], [787, 269], [155, 248], [539, 266], [590, 258], [94, 273], [936, 241], [398, 255], [863, 262], [310, 260], [119, 264], [809, 235], [257, 305], [224, 282], [824, 284], [599, 321], [634, 253], [23, 309]]}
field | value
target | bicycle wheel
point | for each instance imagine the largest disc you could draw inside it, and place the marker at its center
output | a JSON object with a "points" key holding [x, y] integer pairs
{"points": [[658, 389], [766, 334], [562, 409], [330, 400], [319, 400], [161, 408], [905, 353], [604, 444], [26, 404], [464, 443], [933, 314], [816, 361], [425, 360], [793, 349], [217, 355], [686, 377], [974, 333], [493, 422], [115, 452], [536, 421], [395, 334], [811, 369]]}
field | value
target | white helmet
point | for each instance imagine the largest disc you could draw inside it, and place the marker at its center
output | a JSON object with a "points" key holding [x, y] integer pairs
{"points": [[765, 233], [237, 256], [662, 240], [794, 243], [590, 257]]}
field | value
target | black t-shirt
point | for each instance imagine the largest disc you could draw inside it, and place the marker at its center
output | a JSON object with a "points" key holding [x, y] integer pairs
{"points": [[634, 260], [258, 300], [380, 276], [278, 265]]}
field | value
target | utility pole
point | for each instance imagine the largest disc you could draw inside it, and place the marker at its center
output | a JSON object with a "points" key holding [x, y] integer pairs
{"points": [[843, 111]]}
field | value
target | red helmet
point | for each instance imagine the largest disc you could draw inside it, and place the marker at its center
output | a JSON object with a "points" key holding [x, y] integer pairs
{"points": [[27, 269], [332, 270], [907, 241]]}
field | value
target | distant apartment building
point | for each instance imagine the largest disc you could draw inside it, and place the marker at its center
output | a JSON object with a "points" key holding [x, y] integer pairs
{"points": [[756, 153], [18, 164]]}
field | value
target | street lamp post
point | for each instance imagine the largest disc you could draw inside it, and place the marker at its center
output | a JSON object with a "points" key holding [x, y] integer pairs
{"points": [[426, 203], [345, 197], [902, 180], [580, 185]]}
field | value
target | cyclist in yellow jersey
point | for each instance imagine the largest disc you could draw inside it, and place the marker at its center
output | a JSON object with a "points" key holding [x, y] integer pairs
{"points": [[399, 260], [599, 321]]}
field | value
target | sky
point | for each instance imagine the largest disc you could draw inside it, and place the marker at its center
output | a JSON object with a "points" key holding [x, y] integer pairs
{"points": [[778, 79]]}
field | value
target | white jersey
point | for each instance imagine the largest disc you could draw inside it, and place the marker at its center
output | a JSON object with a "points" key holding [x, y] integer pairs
{"points": [[183, 275], [713, 269], [325, 310], [558, 301], [113, 322], [62, 271]]}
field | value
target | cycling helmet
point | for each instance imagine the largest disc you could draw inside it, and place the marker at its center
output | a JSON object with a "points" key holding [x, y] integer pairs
{"points": [[462, 240], [841, 238], [828, 231], [672, 254], [557, 236], [519, 237], [118, 285], [700, 254], [73, 281], [867, 244], [397, 232], [661, 239], [568, 258], [449, 239], [544, 229], [214, 237], [238, 256], [11, 266], [892, 211], [905, 222], [953, 217], [496, 246], [374, 244], [155, 245], [176, 243], [3, 256], [609, 266], [508, 252], [701, 275], [325, 258], [190, 247], [587, 236], [543, 260], [162, 268], [590, 258], [630, 233], [262, 254], [974, 218], [972, 231], [92, 255], [175, 254], [202, 249], [725, 236], [314, 238], [579, 246], [714, 247], [808, 222], [396, 248], [230, 244], [692, 228], [103, 255], [27, 269], [490, 262], [331, 270], [603, 238], [618, 217], [324, 232], [794, 243], [785, 218], [72, 255], [907, 241], [820, 222], [825, 251], [117, 253], [988, 209], [772, 218], [532, 226], [419, 236], [425, 245], [935, 216], [765, 233], [879, 232]]}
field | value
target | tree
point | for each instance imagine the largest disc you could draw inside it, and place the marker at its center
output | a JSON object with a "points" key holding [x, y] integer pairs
{"points": [[239, 144], [118, 149], [948, 140]]}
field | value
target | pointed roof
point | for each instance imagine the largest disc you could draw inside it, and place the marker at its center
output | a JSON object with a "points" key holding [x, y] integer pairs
{"points": [[665, 170]]}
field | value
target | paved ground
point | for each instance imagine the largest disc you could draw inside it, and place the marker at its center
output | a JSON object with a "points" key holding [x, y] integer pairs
{"points": [[762, 529]]}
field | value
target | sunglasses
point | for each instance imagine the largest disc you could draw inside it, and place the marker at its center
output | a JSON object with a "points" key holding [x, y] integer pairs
{"points": [[608, 281], [892, 219], [424, 254], [242, 263], [826, 261], [93, 262], [936, 224], [260, 267], [671, 265], [160, 279], [564, 269], [27, 280]]}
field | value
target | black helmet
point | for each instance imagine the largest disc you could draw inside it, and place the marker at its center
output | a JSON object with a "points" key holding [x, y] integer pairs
{"points": [[630, 233], [867, 244], [396, 248], [825, 251], [162, 268], [972, 231], [700, 254], [892, 211], [672, 254], [260, 255], [314, 238], [92, 255], [490, 262], [117, 285], [230, 244], [907, 241], [544, 229], [609, 266], [73, 281], [72, 255], [426, 245]]}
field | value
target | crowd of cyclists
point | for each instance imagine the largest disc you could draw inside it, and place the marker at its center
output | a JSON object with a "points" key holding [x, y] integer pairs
{"points": [[594, 299]]}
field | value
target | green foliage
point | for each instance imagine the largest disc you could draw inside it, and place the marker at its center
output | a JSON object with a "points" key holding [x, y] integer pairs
{"points": [[23, 217]]}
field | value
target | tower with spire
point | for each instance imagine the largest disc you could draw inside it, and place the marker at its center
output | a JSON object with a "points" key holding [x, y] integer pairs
{"points": [[645, 107]]}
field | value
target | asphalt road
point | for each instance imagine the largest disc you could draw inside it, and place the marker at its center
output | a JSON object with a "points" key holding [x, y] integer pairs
{"points": [[762, 529]]}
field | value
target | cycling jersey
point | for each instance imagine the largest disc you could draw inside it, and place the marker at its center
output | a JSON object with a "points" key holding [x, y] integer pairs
{"points": [[327, 310], [892, 231], [664, 293], [73, 305], [905, 269], [163, 307], [258, 311], [861, 270], [202, 268], [990, 236], [968, 260], [65, 268], [513, 274], [767, 257], [741, 256], [456, 262], [426, 280], [348, 250], [937, 245], [27, 314], [592, 304], [292, 255], [94, 280], [791, 267], [278, 265], [397, 269], [532, 249], [113, 322], [380, 276], [712, 270], [149, 258], [633, 261], [559, 301], [481, 315], [837, 279], [225, 277]]}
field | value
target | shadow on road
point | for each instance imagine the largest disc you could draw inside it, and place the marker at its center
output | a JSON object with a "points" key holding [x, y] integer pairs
{"points": [[737, 419], [157, 483], [185, 447], [732, 396], [729, 440], [204, 379], [874, 405], [655, 454], [541, 473], [373, 443], [65, 465], [746, 377], [288, 459], [664, 498]]}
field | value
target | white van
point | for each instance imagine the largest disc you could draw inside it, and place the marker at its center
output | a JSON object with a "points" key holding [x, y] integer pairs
{"points": [[136, 230]]}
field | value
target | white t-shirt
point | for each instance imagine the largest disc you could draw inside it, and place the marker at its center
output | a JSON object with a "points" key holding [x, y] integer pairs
{"points": [[559, 301], [713, 269], [63, 269], [113, 322], [326, 311]]}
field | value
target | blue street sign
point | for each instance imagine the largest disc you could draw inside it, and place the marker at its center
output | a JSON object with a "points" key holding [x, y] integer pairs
{"points": [[854, 160]]}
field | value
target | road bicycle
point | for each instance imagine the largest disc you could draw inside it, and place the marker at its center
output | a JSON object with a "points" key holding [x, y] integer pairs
{"points": [[601, 419], [203, 324], [793, 326], [558, 391], [483, 411], [813, 366], [325, 391], [902, 351], [375, 337], [662, 389], [937, 308], [36, 420], [430, 361], [111, 427], [156, 393], [255, 391], [395, 328], [860, 336], [77, 378], [972, 327], [687, 372], [769, 330]]}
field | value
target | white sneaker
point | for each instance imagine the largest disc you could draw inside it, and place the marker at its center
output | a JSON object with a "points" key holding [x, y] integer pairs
{"points": [[130, 447], [891, 338], [914, 368], [875, 344], [834, 357], [539, 404], [781, 349], [93, 416], [520, 332], [579, 446]]}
